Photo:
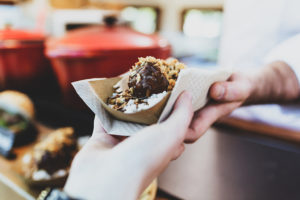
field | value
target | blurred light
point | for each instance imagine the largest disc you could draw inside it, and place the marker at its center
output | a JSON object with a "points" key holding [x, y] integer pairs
{"points": [[142, 19], [8, 15], [202, 23]]}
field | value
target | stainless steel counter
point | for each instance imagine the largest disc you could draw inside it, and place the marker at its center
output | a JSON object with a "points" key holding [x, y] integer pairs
{"points": [[229, 164]]}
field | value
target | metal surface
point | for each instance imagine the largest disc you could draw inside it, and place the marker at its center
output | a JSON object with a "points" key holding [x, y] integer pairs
{"points": [[234, 165]]}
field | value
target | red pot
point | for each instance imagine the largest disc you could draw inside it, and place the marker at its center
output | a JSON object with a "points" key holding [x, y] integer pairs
{"points": [[100, 51], [22, 62]]}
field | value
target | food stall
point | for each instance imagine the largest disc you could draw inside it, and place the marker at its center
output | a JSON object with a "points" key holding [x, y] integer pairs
{"points": [[63, 62]]}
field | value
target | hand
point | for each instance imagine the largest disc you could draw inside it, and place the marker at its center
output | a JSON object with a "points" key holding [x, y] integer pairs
{"points": [[275, 82], [226, 96], [108, 168]]}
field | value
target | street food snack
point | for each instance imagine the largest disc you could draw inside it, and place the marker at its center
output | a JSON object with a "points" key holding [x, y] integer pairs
{"points": [[17, 102], [52, 157], [16, 115], [149, 81]]}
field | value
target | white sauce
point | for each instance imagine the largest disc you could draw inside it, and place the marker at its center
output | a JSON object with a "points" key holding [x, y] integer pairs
{"points": [[131, 107], [40, 175], [43, 175]]}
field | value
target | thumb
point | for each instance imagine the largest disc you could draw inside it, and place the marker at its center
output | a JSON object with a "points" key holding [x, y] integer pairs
{"points": [[182, 113], [237, 90]]}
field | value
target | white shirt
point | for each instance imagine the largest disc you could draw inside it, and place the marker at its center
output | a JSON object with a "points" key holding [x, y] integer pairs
{"points": [[260, 31], [257, 32]]}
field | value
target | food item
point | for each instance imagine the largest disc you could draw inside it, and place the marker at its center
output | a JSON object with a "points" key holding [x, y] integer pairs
{"points": [[16, 114], [149, 81], [12, 121], [17, 102], [51, 157], [146, 79]]}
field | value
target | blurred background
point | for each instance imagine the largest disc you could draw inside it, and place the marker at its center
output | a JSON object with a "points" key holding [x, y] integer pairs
{"points": [[193, 27], [45, 45]]}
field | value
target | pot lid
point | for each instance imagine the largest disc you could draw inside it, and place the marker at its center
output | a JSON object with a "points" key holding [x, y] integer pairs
{"points": [[13, 34], [99, 40], [11, 38]]}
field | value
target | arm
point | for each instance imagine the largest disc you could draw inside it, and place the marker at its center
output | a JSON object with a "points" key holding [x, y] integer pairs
{"points": [[276, 82]]}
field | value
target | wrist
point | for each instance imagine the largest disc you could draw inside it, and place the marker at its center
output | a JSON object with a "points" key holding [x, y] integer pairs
{"points": [[274, 83], [254, 79], [260, 87]]}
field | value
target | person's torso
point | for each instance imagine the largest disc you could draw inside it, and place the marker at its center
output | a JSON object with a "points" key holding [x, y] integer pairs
{"points": [[253, 27]]}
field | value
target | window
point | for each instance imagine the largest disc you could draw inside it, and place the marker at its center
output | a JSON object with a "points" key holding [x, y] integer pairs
{"points": [[142, 19], [203, 28], [202, 23]]}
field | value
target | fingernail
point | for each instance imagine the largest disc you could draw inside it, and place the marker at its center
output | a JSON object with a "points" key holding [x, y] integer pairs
{"points": [[220, 91]]}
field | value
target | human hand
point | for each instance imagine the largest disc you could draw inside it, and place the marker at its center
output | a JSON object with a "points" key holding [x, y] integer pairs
{"points": [[225, 97], [274, 83], [109, 168]]}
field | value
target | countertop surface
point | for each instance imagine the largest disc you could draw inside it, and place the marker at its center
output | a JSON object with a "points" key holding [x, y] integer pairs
{"points": [[231, 164]]}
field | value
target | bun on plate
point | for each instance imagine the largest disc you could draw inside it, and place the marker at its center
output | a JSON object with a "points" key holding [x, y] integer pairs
{"points": [[16, 114], [17, 102]]}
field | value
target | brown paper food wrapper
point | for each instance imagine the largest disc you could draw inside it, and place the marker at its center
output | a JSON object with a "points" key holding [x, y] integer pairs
{"points": [[103, 89], [95, 92]]}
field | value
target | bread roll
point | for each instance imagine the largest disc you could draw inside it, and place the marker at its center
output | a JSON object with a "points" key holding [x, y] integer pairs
{"points": [[17, 102]]}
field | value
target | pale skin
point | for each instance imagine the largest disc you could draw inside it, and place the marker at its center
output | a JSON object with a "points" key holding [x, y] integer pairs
{"points": [[107, 168]]}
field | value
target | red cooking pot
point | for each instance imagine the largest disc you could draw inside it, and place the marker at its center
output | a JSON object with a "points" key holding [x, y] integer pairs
{"points": [[23, 64], [100, 51]]}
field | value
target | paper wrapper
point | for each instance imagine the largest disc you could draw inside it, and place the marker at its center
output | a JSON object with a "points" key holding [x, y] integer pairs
{"points": [[94, 93], [103, 89]]}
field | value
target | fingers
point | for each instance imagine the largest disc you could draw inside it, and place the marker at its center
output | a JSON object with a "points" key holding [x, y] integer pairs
{"points": [[181, 115], [155, 146], [238, 89], [178, 152], [205, 117], [145, 154], [100, 137], [98, 128]]}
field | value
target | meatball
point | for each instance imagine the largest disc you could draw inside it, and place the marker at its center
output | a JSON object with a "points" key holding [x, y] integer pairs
{"points": [[147, 79]]}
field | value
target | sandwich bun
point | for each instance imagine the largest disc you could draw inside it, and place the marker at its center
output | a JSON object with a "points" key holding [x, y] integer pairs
{"points": [[17, 102]]}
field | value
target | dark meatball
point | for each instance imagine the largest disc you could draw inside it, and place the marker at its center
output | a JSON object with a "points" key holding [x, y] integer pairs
{"points": [[146, 80]]}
